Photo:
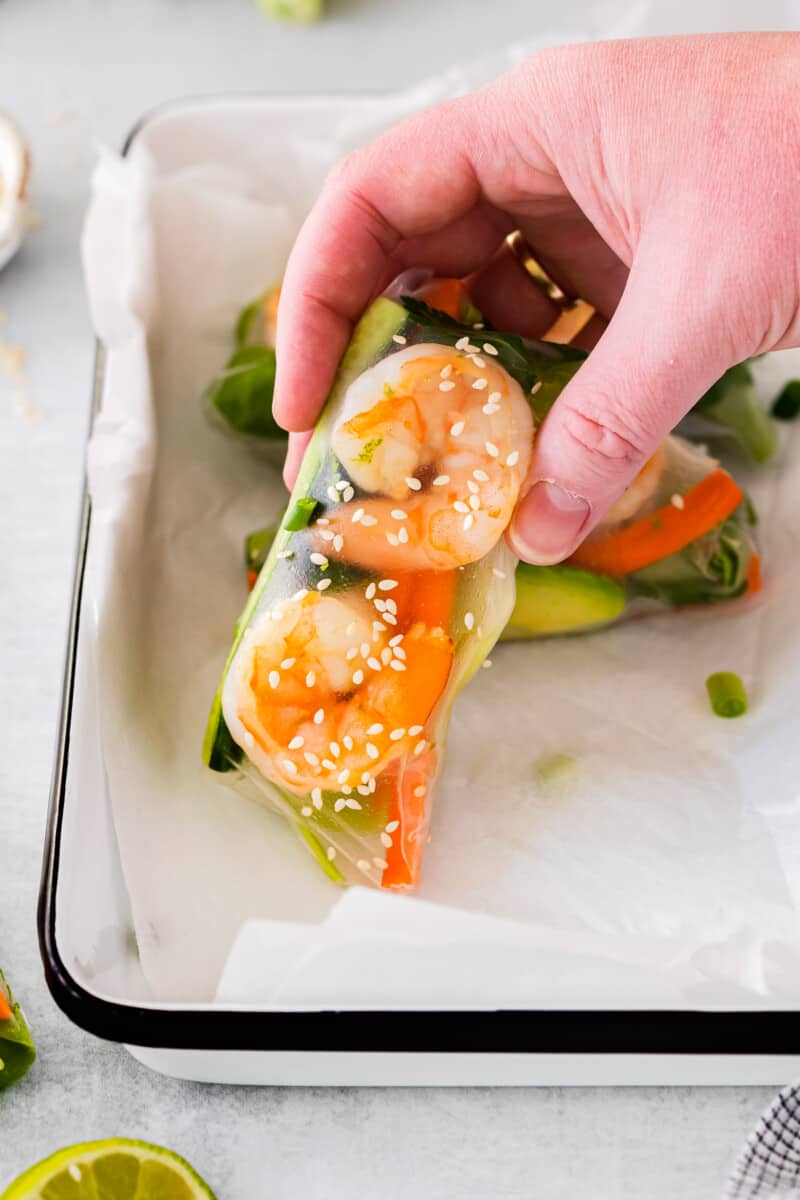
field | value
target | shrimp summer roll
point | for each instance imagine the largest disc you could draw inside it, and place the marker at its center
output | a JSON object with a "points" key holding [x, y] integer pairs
{"points": [[17, 1051], [385, 587]]}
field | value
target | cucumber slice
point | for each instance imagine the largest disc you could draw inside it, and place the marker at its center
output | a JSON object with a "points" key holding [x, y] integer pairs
{"points": [[561, 599]]}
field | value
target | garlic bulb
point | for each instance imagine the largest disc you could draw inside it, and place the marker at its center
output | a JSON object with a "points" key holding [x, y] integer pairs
{"points": [[14, 166]]}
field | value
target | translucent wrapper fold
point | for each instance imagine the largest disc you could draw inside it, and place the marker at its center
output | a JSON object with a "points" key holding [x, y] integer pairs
{"points": [[385, 587]]}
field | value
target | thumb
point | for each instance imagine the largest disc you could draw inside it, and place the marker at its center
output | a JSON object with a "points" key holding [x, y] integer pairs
{"points": [[648, 369]]}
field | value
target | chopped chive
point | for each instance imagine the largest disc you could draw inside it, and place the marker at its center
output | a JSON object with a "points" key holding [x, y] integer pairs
{"points": [[786, 406], [300, 514], [726, 693]]}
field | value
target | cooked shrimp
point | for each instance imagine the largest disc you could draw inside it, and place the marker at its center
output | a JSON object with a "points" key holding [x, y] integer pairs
{"points": [[322, 696], [445, 436], [637, 495]]}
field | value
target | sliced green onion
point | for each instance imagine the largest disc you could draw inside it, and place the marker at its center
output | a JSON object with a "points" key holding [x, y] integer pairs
{"points": [[300, 514], [726, 693], [786, 406]]}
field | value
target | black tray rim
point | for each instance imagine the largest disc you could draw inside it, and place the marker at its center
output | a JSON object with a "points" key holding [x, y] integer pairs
{"points": [[475, 1032]]}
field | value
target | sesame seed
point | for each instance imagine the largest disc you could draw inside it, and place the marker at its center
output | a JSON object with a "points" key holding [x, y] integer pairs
{"points": [[513, 458], [420, 746], [372, 750], [366, 777], [357, 515], [290, 766], [322, 521], [480, 475], [288, 663], [285, 553], [249, 740], [369, 520], [399, 652], [331, 853], [398, 337], [536, 387], [446, 385], [386, 840], [479, 325], [319, 560], [494, 398], [380, 863], [374, 730], [487, 662], [307, 810], [351, 802], [297, 743], [420, 790], [472, 349], [479, 362], [346, 789], [469, 620], [457, 429], [326, 535], [358, 677], [462, 343], [469, 521], [386, 656], [498, 573], [415, 729], [364, 648], [333, 494], [460, 506], [390, 618], [489, 348], [311, 679], [323, 584], [348, 494], [390, 828], [446, 371], [274, 679], [396, 665], [480, 384], [301, 595], [491, 449], [475, 503], [338, 543], [351, 653], [441, 480], [335, 749], [396, 734], [380, 605], [373, 662], [402, 535], [362, 864], [413, 483], [378, 628], [328, 764], [677, 500], [339, 803], [396, 640], [391, 607], [393, 539], [472, 487], [319, 716], [341, 485], [316, 797], [490, 409], [387, 585], [370, 590], [311, 758], [363, 790]]}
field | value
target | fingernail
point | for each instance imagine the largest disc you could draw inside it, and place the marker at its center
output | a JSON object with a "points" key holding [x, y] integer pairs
{"points": [[549, 522]]}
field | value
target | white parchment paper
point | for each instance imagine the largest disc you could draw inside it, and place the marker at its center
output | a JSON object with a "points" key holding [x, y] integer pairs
{"points": [[663, 870]]}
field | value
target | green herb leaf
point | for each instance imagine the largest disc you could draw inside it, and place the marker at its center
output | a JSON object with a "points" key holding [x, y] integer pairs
{"points": [[726, 693], [786, 406], [733, 404], [242, 392]]}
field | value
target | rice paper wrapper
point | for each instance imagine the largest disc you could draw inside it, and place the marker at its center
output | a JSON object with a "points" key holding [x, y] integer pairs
{"points": [[658, 868]]}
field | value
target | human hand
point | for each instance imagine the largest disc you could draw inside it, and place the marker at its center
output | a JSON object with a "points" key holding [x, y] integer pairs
{"points": [[658, 179]]}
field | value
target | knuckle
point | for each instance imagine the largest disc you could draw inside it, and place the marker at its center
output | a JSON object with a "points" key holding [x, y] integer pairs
{"points": [[605, 436]]}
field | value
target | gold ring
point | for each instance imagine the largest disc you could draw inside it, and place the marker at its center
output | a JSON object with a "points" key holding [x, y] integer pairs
{"points": [[575, 313]]}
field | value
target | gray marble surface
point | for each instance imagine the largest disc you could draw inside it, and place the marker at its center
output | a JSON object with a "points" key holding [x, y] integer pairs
{"points": [[86, 69]]}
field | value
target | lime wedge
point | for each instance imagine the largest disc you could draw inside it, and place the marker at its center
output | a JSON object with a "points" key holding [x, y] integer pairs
{"points": [[114, 1169]]}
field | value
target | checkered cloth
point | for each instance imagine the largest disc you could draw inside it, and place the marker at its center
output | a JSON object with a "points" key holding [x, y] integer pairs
{"points": [[769, 1166]]}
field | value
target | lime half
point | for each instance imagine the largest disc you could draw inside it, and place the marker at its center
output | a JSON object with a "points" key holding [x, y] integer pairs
{"points": [[114, 1169]]}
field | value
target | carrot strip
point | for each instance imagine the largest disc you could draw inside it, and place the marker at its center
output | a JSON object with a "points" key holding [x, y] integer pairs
{"points": [[404, 857], [5, 1008], [754, 579], [448, 295], [252, 577], [664, 532], [424, 596]]}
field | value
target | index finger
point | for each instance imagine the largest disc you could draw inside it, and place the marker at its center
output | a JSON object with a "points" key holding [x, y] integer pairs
{"points": [[416, 179]]}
